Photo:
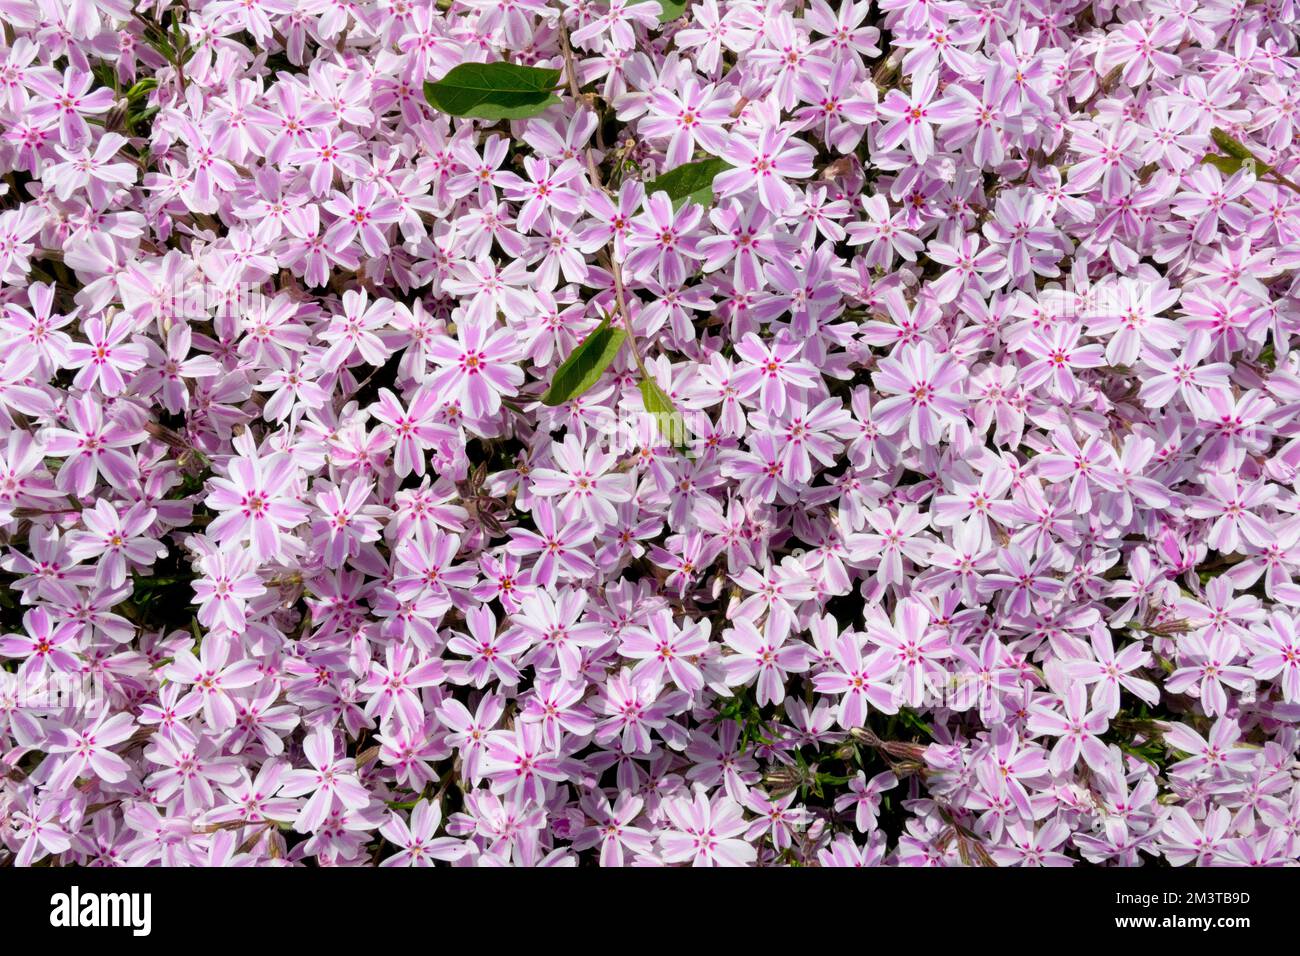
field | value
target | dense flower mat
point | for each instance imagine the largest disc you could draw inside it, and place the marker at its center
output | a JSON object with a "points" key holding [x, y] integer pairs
{"points": [[645, 433]]}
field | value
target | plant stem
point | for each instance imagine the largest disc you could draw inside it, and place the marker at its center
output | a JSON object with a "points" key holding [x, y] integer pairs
{"points": [[1281, 180], [615, 267]]}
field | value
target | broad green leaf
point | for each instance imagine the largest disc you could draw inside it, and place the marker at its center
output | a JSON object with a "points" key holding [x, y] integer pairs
{"points": [[1230, 164], [1235, 155], [672, 9], [657, 403], [693, 181], [1232, 147], [583, 368], [656, 399], [1224, 164], [494, 91]]}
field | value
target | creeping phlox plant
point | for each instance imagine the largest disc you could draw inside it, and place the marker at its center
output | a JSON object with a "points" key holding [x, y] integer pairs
{"points": [[649, 432]]}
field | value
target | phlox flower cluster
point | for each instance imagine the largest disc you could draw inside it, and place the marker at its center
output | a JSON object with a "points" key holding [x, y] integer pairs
{"points": [[974, 544]]}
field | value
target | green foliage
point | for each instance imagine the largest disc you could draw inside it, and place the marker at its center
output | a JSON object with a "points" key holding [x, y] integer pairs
{"points": [[657, 403], [1230, 146], [583, 368], [1234, 155], [743, 710], [671, 9], [690, 182], [494, 91]]}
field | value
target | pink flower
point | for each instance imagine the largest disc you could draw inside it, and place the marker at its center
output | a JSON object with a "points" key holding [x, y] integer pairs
{"points": [[923, 390], [544, 190], [1078, 728], [49, 646], [69, 100], [912, 118], [771, 370], [1057, 353], [416, 843], [490, 653], [257, 503], [87, 750], [918, 650], [693, 113], [611, 829], [858, 681], [1276, 656], [660, 241], [91, 447], [469, 731], [582, 482], [518, 761], [764, 164], [666, 652], [356, 330], [229, 581], [115, 539], [91, 170], [633, 707], [476, 368], [213, 678], [561, 546], [331, 781], [770, 660], [414, 428], [706, 832], [864, 797], [361, 215], [1111, 671]]}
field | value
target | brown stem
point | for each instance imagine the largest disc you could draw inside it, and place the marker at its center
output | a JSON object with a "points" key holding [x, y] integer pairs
{"points": [[1281, 180], [615, 268]]}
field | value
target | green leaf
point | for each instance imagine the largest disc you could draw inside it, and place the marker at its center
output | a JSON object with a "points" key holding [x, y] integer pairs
{"points": [[1133, 751], [1232, 147], [657, 403], [1224, 164], [832, 780], [140, 117], [1231, 164], [494, 91], [583, 368], [913, 720], [142, 88], [1235, 155], [656, 399], [692, 181], [672, 9]]}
